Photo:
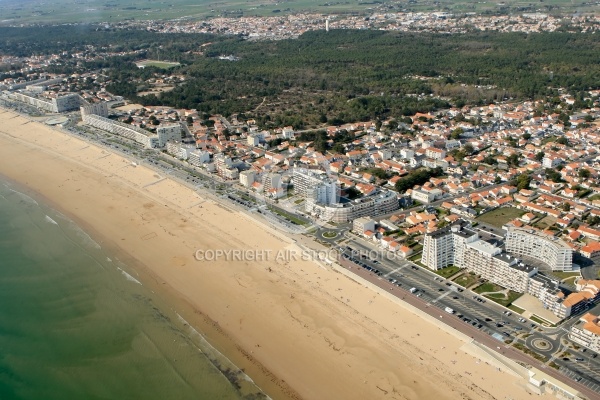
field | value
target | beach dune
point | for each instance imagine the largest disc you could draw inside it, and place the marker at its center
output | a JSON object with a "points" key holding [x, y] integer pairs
{"points": [[299, 329]]}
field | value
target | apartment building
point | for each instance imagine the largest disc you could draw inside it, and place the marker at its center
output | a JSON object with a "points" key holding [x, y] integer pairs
{"points": [[100, 109], [379, 203], [198, 157], [225, 168], [492, 264], [544, 248], [167, 133], [247, 178], [131, 132], [586, 332], [56, 105], [315, 186], [459, 245], [446, 246], [363, 224]]}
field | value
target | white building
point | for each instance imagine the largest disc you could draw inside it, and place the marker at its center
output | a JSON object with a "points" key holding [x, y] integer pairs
{"points": [[131, 132], [446, 246], [198, 157], [247, 178], [167, 133], [586, 332], [363, 224], [489, 262], [540, 246], [425, 196], [376, 204], [253, 140], [315, 186], [100, 109]]}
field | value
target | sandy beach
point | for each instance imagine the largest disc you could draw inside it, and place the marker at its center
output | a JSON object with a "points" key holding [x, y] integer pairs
{"points": [[298, 329]]}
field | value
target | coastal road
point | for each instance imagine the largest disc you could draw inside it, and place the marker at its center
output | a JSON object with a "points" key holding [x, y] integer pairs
{"points": [[467, 329]]}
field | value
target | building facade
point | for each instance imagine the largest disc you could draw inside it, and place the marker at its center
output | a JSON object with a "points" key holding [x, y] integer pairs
{"points": [[545, 248], [586, 332]]}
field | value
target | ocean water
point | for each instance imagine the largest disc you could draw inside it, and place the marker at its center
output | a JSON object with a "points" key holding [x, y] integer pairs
{"points": [[74, 324]]}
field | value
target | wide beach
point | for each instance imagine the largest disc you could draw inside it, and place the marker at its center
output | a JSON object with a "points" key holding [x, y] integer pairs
{"points": [[300, 330]]}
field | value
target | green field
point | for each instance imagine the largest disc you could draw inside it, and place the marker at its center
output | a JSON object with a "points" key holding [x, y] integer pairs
{"points": [[62, 11], [501, 216], [157, 64]]}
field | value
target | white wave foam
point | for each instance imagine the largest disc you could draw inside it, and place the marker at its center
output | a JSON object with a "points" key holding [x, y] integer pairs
{"points": [[48, 219], [215, 352], [23, 196], [129, 277]]}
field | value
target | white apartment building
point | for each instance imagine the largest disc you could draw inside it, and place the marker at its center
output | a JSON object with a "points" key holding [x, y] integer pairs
{"points": [[435, 153], [446, 246], [377, 204], [100, 109], [488, 261], [586, 332], [540, 246], [247, 178], [134, 133], [271, 181], [198, 157], [460, 246], [425, 196], [253, 140], [56, 105], [167, 133], [363, 224]]}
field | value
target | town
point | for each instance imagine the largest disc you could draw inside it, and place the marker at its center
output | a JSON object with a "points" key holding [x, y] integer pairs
{"points": [[502, 199]]}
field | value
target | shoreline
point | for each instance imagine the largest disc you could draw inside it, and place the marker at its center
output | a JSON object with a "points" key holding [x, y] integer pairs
{"points": [[360, 354]]}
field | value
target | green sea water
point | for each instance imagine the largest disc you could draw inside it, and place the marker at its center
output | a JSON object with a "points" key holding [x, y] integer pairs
{"points": [[75, 325]]}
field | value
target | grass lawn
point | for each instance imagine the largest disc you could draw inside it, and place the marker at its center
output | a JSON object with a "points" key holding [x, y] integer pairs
{"points": [[532, 353], [298, 201], [466, 280], [293, 219], [500, 299], [448, 271], [516, 309], [570, 281], [329, 234], [501, 216], [488, 287], [539, 320], [415, 258], [565, 275], [158, 64]]}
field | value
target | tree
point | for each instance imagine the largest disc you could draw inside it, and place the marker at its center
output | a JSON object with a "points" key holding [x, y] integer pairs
{"points": [[526, 136], [566, 207], [468, 148], [456, 133], [190, 120], [540, 156], [513, 160], [584, 173], [523, 181]]}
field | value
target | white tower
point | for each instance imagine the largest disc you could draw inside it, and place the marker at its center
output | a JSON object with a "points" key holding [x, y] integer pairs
{"points": [[327, 25]]}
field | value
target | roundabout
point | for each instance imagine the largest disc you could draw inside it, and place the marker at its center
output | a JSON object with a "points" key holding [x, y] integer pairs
{"points": [[542, 345], [329, 234]]}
